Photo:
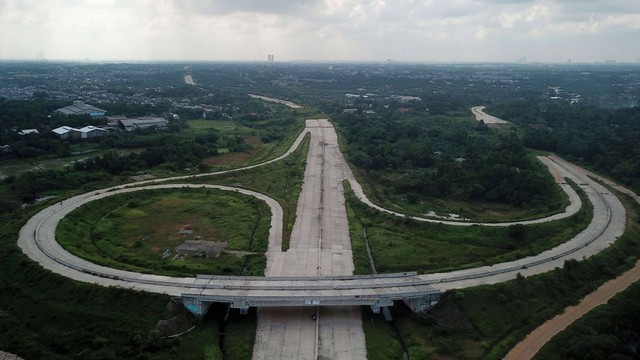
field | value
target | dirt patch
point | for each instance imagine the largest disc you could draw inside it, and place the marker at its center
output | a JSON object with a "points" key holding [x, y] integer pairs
{"points": [[233, 158], [253, 141], [239, 253], [209, 249], [557, 174], [142, 177]]}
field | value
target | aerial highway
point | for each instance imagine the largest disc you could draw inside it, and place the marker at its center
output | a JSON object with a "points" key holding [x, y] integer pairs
{"points": [[317, 268], [478, 112]]}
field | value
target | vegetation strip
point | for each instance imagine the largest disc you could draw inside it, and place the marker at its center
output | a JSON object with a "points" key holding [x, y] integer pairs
{"points": [[399, 244]]}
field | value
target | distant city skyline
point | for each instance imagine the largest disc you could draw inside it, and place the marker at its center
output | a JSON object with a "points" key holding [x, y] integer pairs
{"points": [[321, 30]]}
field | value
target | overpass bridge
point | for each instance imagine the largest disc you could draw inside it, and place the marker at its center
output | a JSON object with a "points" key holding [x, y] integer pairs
{"points": [[375, 291]]}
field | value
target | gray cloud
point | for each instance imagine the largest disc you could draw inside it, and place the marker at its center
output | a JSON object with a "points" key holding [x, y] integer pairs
{"points": [[454, 30], [225, 7]]}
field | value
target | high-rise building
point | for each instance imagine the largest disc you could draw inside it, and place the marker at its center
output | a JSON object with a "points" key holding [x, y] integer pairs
{"points": [[270, 58]]}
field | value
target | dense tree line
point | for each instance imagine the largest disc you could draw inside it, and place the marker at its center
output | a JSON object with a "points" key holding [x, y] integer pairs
{"points": [[29, 186], [21, 114], [170, 152], [131, 109], [173, 152], [443, 157], [606, 139]]}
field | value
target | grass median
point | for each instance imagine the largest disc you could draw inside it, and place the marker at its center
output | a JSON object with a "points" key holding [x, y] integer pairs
{"points": [[401, 244], [176, 232]]}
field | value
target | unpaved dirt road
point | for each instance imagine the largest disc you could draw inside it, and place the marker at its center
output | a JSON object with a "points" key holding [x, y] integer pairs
{"points": [[530, 346]]}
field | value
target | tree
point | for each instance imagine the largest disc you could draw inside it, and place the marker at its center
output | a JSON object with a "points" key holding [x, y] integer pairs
{"points": [[516, 231]]}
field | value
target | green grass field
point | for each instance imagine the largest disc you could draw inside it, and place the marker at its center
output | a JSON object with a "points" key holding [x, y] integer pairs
{"points": [[140, 231], [224, 126], [399, 244]]}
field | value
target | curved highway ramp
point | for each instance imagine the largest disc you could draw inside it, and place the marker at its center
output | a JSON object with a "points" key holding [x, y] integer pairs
{"points": [[317, 268]]}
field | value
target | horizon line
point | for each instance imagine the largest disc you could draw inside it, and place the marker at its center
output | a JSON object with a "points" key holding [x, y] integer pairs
{"points": [[299, 61]]}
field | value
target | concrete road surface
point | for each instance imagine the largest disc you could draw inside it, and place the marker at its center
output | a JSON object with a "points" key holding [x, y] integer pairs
{"points": [[478, 112], [283, 102], [319, 245]]}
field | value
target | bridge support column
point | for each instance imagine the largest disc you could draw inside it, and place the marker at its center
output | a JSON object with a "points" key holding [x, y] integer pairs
{"points": [[424, 303], [196, 306], [380, 304], [242, 305]]}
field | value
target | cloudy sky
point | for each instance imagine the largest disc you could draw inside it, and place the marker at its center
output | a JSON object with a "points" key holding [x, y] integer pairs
{"points": [[334, 30]]}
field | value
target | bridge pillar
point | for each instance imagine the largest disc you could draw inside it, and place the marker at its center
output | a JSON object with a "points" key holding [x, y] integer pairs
{"points": [[380, 304], [424, 303], [196, 306], [242, 305]]}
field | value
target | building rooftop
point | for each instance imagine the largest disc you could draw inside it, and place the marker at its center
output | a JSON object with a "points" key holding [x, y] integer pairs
{"points": [[28, 131], [62, 130], [80, 108], [90, 128], [144, 122]]}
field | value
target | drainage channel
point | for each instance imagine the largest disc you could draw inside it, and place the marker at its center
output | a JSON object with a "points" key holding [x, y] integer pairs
{"points": [[387, 315], [222, 331], [227, 311], [385, 310]]}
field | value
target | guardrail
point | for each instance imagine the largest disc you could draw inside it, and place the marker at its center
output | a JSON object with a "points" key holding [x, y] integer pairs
{"points": [[311, 278], [303, 283]]}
